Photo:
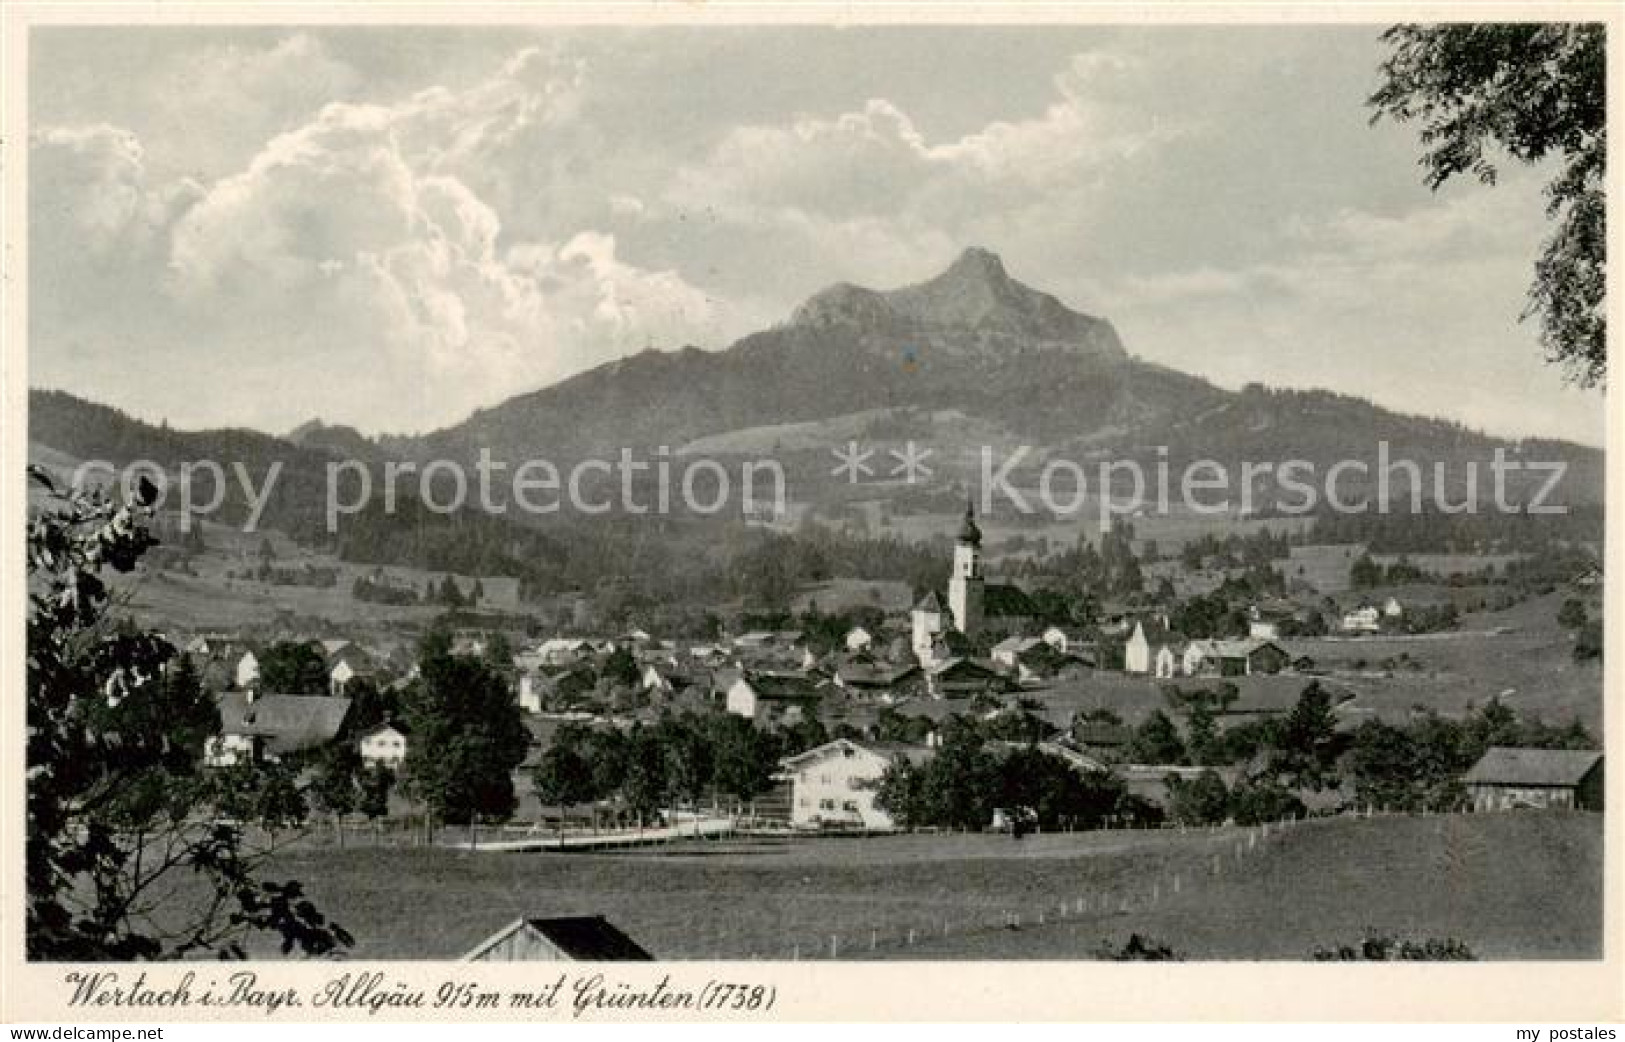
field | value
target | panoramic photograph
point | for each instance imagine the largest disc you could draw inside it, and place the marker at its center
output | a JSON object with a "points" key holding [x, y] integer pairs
{"points": [[789, 493]]}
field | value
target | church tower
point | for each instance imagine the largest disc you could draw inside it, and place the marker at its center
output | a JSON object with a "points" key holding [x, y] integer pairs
{"points": [[965, 585]]}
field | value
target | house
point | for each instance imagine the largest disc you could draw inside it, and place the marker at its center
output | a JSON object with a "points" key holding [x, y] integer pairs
{"points": [[773, 698], [344, 664], [384, 746], [1137, 651], [1006, 651], [1392, 609], [266, 727], [880, 682], [540, 686], [1364, 619], [1068, 640], [834, 785], [663, 680], [585, 938], [929, 621], [1142, 650], [1513, 779], [1166, 663], [859, 639], [247, 672], [1039, 661], [1234, 658], [964, 678], [562, 651]]}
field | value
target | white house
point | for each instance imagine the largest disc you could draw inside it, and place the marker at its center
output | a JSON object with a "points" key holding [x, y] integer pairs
{"points": [[1137, 652], [1008, 650], [771, 698], [1263, 629], [859, 639], [248, 671], [384, 746], [834, 785], [1392, 609], [1167, 662], [1364, 619]]}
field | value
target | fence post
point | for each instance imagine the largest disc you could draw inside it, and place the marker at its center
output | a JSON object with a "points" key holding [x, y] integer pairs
{"points": [[834, 945]]}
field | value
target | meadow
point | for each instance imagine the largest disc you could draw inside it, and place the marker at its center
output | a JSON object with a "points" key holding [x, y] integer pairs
{"points": [[1509, 886]]}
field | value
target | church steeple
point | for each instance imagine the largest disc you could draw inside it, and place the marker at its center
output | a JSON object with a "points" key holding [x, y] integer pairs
{"points": [[969, 533], [965, 584]]}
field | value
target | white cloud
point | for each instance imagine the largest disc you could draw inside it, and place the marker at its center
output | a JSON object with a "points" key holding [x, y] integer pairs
{"points": [[349, 247]]}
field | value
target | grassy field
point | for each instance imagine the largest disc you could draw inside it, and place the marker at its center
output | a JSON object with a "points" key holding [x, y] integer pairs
{"points": [[1511, 886], [1530, 667]]}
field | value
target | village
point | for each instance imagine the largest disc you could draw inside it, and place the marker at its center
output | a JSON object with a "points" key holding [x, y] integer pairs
{"points": [[869, 695]]}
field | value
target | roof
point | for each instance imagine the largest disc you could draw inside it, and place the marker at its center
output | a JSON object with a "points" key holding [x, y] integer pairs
{"points": [[863, 675], [781, 685], [1235, 648], [589, 938], [961, 666], [387, 725], [1502, 765], [930, 602], [288, 723], [892, 752]]}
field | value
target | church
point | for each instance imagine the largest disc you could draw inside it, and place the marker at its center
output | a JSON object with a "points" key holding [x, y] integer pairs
{"points": [[974, 608]]}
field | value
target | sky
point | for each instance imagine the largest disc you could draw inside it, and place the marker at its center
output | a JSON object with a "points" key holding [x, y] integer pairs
{"points": [[391, 227]]}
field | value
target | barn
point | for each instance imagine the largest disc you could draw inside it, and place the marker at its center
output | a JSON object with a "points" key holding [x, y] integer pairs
{"points": [[581, 938], [1513, 779]]}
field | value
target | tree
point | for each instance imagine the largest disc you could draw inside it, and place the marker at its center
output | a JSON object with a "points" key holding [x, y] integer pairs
{"points": [[335, 786], [468, 736], [1588, 642], [620, 667], [1533, 91], [1572, 615], [375, 785], [564, 775], [119, 806], [293, 667], [1307, 745], [1203, 800], [1156, 741], [643, 782], [742, 757], [1365, 573]]}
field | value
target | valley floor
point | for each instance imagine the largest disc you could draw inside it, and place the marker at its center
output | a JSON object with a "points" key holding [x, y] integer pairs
{"points": [[1516, 886]]}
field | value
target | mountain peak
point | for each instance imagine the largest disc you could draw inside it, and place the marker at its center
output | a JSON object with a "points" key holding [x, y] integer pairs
{"points": [[972, 306], [977, 263]]}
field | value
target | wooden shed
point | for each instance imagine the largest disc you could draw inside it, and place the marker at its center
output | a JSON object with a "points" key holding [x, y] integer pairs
{"points": [[584, 938], [1511, 779]]}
